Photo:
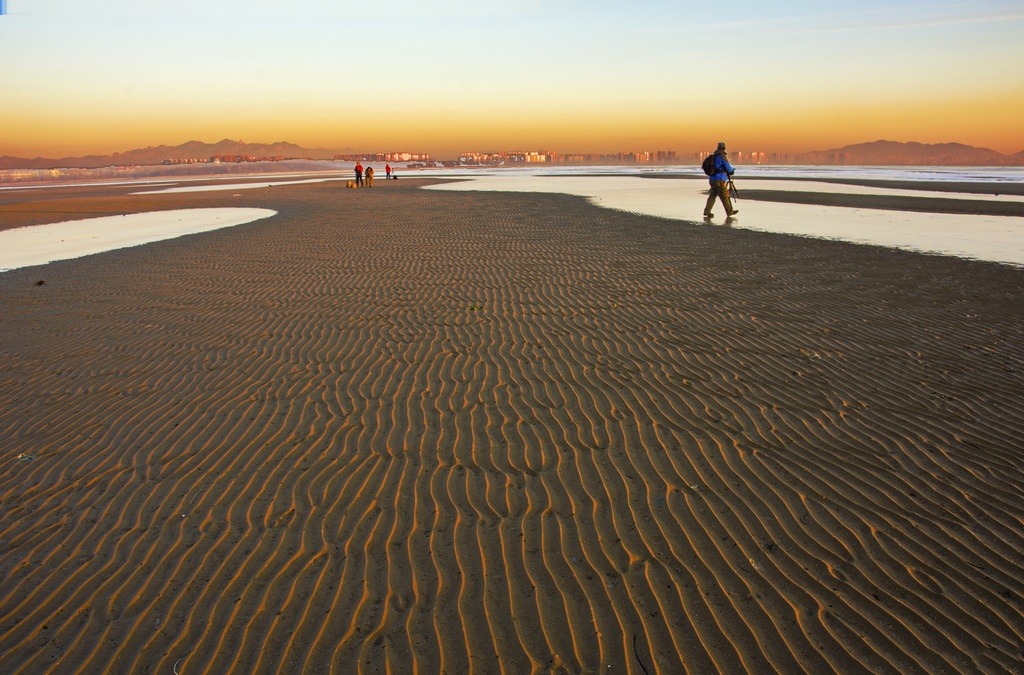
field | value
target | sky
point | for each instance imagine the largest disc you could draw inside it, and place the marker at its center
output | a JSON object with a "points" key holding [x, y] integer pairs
{"points": [[451, 76]]}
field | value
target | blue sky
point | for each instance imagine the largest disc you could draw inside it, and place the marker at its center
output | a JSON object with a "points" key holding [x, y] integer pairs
{"points": [[568, 75]]}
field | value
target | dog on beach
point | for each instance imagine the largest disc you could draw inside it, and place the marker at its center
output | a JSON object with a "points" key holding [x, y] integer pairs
{"points": [[351, 184]]}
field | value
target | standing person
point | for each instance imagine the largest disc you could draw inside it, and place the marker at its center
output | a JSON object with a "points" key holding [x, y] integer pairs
{"points": [[718, 177], [387, 171], [369, 176], [359, 174]]}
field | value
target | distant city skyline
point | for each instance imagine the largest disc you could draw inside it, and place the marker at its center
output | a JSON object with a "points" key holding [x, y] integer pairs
{"points": [[451, 75], [228, 152]]}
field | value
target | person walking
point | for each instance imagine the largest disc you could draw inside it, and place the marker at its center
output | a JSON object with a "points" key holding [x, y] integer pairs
{"points": [[387, 171], [369, 176], [359, 174], [719, 177]]}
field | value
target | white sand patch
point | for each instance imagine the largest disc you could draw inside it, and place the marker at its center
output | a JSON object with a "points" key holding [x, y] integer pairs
{"points": [[40, 244], [109, 183], [841, 188], [995, 238]]}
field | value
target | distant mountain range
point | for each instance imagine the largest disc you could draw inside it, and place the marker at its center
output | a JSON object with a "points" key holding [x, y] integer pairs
{"points": [[878, 153], [193, 150], [892, 153]]}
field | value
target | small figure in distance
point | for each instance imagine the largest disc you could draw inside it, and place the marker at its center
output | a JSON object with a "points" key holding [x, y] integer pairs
{"points": [[369, 176], [387, 171], [359, 174], [719, 180]]}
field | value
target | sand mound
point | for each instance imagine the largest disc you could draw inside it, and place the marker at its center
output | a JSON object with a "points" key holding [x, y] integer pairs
{"points": [[431, 432]]}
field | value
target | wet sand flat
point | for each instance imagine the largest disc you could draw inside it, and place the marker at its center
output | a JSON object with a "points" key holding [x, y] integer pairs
{"points": [[889, 203], [920, 220], [408, 430], [41, 244]]}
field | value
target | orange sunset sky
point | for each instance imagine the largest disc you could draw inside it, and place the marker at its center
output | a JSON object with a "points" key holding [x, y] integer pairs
{"points": [[565, 75]]}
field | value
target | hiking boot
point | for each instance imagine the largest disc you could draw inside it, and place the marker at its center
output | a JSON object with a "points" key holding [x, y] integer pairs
{"points": [[709, 215]]}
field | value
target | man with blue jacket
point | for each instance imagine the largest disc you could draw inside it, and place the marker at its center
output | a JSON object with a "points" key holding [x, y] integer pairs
{"points": [[720, 183]]}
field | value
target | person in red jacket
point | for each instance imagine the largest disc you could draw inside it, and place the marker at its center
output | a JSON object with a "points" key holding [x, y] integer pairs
{"points": [[359, 174], [387, 172]]}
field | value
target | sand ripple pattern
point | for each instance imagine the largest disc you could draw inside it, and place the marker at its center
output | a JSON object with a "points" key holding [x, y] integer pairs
{"points": [[397, 431]]}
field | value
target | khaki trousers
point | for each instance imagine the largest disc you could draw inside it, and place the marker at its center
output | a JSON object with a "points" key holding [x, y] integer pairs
{"points": [[719, 189]]}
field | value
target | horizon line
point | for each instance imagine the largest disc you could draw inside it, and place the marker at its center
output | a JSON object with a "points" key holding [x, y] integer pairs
{"points": [[516, 150]]}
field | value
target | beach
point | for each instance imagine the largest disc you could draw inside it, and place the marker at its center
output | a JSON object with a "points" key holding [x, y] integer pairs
{"points": [[949, 217], [409, 430]]}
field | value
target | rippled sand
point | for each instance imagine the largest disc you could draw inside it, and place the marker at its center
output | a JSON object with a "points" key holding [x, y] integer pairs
{"points": [[416, 431]]}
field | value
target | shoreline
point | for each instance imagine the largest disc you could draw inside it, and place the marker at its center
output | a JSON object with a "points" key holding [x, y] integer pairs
{"points": [[956, 227], [842, 215], [967, 187], [967, 207], [41, 244], [400, 429]]}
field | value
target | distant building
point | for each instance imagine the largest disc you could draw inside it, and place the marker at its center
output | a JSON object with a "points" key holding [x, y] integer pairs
{"points": [[506, 157], [384, 157], [513, 157], [406, 157], [190, 160], [577, 158]]}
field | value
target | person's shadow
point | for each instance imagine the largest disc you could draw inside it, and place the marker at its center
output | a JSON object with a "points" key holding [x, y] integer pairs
{"points": [[728, 221]]}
